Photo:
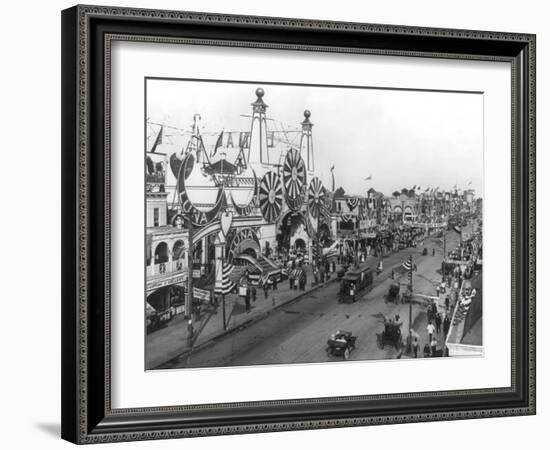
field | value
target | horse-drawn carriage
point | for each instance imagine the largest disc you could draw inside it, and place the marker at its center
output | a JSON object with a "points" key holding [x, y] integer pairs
{"points": [[393, 293], [341, 343]]}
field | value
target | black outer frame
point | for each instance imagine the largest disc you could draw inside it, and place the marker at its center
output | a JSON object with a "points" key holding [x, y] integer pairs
{"points": [[87, 416]]}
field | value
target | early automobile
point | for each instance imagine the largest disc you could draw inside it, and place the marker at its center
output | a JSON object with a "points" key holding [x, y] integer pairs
{"points": [[391, 335], [425, 251], [341, 343]]}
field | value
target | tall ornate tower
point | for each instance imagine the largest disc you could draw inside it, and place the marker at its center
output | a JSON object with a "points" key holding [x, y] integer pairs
{"points": [[306, 142], [195, 143], [257, 150]]}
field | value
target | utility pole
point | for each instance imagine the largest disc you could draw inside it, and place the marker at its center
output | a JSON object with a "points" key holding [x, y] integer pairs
{"points": [[357, 243], [189, 299], [220, 257], [444, 253], [223, 290], [409, 340]]}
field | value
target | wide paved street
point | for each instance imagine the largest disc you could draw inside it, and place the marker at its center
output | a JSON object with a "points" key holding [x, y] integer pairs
{"points": [[298, 332]]}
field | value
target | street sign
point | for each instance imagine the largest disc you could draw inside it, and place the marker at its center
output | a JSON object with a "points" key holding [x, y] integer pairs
{"points": [[201, 294]]}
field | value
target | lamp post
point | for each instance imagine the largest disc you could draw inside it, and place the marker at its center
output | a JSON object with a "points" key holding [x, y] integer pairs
{"points": [[188, 301], [221, 247], [409, 340]]}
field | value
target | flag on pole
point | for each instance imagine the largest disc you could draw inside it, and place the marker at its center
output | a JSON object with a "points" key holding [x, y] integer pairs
{"points": [[158, 140], [408, 266], [226, 284], [219, 143], [368, 178]]}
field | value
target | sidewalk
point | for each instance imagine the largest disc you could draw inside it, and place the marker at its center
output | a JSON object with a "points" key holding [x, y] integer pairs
{"points": [[173, 340]]}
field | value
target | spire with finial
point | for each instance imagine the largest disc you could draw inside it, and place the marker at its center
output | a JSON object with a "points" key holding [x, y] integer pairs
{"points": [[306, 141], [257, 151]]}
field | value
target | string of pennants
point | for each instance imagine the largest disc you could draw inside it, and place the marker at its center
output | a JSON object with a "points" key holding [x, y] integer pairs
{"points": [[362, 206], [349, 217]]}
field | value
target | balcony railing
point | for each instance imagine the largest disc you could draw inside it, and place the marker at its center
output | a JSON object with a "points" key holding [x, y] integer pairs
{"points": [[154, 177], [166, 268]]}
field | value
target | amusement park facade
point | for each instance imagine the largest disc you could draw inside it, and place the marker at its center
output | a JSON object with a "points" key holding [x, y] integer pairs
{"points": [[239, 210]]}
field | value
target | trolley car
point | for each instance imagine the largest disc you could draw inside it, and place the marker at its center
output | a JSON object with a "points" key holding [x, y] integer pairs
{"points": [[354, 282]]}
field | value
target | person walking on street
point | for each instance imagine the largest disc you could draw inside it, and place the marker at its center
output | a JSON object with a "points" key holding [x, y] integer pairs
{"points": [[433, 346], [438, 322], [416, 347], [247, 301], [446, 325], [431, 331], [253, 292], [433, 251], [426, 351], [290, 282], [190, 332], [266, 288], [429, 314], [274, 284], [434, 309]]}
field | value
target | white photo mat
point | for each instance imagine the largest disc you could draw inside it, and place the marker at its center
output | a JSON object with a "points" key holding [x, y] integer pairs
{"points": [[133, 387]]}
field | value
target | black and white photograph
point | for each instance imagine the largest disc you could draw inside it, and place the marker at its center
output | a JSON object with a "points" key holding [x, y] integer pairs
{"points": [[293, 223]]}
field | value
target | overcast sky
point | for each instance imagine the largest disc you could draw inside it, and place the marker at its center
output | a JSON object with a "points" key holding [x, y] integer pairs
{"points": [[401, 138]]}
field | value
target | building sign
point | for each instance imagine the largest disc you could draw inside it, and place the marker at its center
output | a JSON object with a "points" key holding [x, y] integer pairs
{"points": [[201, 294], [196, 273], [197, 217], [179, 278]]}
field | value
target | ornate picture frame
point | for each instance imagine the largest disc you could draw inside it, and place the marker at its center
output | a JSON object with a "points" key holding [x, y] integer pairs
{"points": [[87, 35]]}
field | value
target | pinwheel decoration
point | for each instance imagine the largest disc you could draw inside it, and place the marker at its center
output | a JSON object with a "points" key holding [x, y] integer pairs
{"points": [[294, 178], [271, 196], [316, 197]]}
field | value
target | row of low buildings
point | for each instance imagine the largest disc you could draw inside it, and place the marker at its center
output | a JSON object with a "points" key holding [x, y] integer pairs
{"points": [[254, 200]]}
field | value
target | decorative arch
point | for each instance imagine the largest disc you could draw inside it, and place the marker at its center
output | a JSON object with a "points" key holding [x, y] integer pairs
{"points": [[161, 253], [178, 249], [243, 240]]}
